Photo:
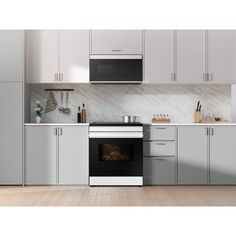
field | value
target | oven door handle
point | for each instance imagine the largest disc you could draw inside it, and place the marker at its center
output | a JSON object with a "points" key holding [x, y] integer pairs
{"points": [[115, 135]]}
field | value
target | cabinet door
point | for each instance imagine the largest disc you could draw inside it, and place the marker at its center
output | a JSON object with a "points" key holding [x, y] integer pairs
{"points": [[74, 56], [41, 155], [42, 56], [222, 155], [158, 58], [11, 55], [116, 42], [221, 56], [192, 155], [73, 155], [11, 126], [158, 170], [190, 56]]}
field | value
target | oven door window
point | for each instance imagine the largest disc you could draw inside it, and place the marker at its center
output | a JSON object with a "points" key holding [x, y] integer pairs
{"points": [[115, 152], [115, 156]]}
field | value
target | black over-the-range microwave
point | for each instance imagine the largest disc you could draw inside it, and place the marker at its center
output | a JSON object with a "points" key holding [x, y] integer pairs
{"points": [[116, 69]]}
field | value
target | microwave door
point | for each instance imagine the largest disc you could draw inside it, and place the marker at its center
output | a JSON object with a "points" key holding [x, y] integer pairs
{"points": [[115, 70]]}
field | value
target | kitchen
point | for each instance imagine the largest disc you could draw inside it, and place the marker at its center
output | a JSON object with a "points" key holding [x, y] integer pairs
{"points": [[168, 75]]}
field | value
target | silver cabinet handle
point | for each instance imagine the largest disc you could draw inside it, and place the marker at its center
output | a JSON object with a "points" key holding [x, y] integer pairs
{"points": [[60, 77], [60, 131], [212, 131], [160, 128], [116, 50], [207, 131], [160, 144], [210, 77], [160, 159], [56, 77], [55, 131], [173, 77]]}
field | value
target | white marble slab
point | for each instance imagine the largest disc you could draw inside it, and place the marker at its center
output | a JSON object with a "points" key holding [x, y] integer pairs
{"points": [[110, 102]]}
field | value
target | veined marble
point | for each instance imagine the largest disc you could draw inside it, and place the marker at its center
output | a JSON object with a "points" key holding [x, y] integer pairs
{"points": [[110, 102]]}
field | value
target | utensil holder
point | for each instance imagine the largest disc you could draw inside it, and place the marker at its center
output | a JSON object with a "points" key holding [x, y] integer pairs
{"points": [[197, 117]]}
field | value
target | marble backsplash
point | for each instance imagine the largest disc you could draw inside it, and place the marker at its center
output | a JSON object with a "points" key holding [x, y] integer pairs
{"points": [[110, 102]]}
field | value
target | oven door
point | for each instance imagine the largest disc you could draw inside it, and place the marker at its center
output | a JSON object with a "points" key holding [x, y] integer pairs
{"points": [[115, 69], [115, 157]]}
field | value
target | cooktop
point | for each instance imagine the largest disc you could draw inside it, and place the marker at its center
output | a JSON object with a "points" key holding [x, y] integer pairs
{"points": [[115, 124]]}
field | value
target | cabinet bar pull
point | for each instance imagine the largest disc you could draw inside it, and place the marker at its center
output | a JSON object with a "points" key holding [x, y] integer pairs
{"points": [[56, 77], [55, 131], [160, 128], [160, 159], [60, 77], [116, 50], [207, 131], [60, 131], [160, 143]]}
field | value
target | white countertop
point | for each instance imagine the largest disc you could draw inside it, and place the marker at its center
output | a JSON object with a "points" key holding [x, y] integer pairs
{"points": [[191, 124], [160, 124], [60, 124]]}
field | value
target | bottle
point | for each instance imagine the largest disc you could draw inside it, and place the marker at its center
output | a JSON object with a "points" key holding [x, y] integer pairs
{"points": [[83, 114], [79, 116]]}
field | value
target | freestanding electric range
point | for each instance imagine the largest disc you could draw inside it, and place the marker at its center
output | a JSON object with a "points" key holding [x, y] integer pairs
{"points": [[116, 154]]}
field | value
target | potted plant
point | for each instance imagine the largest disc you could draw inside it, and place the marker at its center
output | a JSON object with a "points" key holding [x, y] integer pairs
{"points": [[38, 109]]}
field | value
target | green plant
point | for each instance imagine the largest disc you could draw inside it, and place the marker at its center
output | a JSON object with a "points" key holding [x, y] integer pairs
{"points": [[38, 109]]}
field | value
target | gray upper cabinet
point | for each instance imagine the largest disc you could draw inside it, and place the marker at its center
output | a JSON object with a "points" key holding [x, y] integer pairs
{"points": [[41, 56], [57, 56], [192, 155], [222, 155], [221, 56], [73, 155], [158, 56], [116, 42], [74, 56], [41, 155], [11, 55], [190, 56], [11, 135]]}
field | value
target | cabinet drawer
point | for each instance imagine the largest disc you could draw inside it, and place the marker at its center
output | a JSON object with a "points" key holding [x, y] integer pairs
{"points": [[159, 148], [159, 133], [159, 170]]}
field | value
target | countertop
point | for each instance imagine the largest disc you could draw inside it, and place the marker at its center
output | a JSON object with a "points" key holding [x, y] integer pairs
{"points": [[153, 124], [191, 124], [60, 124]]}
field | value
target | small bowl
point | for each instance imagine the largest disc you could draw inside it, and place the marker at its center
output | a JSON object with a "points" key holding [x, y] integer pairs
{"points": [[217, 118]]}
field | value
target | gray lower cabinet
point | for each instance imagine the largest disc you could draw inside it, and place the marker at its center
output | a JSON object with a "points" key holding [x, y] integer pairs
{"points": [[159, 170], [73, 155], [159, 151], [41, 155], [11, 135], [192, 155], [56, 155], [223, 155]]}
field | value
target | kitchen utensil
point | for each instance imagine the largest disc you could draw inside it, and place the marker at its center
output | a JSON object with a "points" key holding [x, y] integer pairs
{"points": [[132, 119], [129, 119], [61, 108], [51, 103], [198, 103], [125, 119], [197, 117], [67, 109]]}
